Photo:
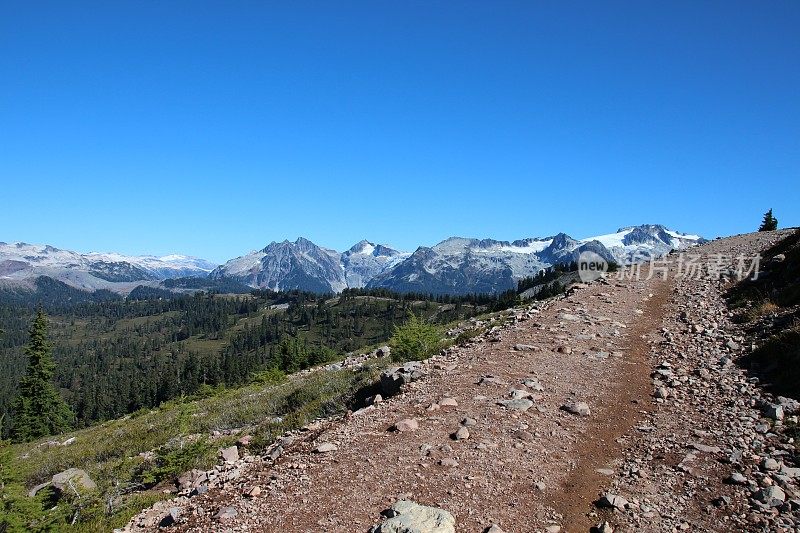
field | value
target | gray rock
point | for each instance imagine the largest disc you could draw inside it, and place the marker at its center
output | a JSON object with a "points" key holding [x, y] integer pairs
{"points": [[525, 348], [533, 384], [229, 454], [76, 477], [171, 518], [704, 448], [770, 465], [448, 402], [226, 513], [461, 434], [198, 491], [383, 351], [772, 496], [611, 500], [491, 380], [721, 501], [520, 404], [410, 517], [791, 472], [275, 452], [736, 479], [326, 447], [577, 408], [407, 424]]}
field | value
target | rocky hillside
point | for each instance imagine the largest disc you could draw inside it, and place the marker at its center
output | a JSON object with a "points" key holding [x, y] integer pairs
{"points": [[618, 407]]}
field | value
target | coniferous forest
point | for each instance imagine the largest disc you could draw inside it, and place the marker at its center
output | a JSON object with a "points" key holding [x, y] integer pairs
{"points": [[114, 355]]}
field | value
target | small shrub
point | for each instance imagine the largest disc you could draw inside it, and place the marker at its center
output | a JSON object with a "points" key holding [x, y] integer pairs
{"points": [[172, 462], [466, 336], [415, 340], [271, 376]]}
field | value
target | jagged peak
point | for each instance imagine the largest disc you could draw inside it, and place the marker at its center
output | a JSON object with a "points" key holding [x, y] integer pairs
{"points": [[654, 227]]}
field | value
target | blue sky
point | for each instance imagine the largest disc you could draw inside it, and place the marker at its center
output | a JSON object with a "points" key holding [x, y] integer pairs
{"points": [[213, 128]]}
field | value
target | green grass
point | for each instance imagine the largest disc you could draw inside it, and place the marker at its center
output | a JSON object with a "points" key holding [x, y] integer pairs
{"points": [[179, 433]]}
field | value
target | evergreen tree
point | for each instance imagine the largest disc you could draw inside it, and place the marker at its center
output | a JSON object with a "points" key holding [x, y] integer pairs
{"points": [[39, 409], [770, 223]]}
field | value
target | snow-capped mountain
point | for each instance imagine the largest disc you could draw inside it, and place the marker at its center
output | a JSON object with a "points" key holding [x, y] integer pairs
{"points": [[648, 240], [454, 266], [462, 266], [21, 261], [304, 265], [366, 260]]}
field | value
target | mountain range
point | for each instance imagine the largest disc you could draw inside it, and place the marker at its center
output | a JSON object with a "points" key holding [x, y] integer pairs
{"points": [[23, 262], [454, 266]]}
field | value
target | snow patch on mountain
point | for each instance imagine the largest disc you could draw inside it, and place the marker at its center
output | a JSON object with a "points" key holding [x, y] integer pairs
{"points": [[461, 265], [96, 270]]}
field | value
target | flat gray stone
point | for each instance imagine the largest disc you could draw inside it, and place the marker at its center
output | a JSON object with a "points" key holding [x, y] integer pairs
{"points": [[410, 517], [520, 404], [326, 447]]}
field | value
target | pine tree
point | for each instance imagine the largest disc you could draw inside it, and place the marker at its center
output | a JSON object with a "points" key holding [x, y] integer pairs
{"points": [[39, 409], [770, 223]]}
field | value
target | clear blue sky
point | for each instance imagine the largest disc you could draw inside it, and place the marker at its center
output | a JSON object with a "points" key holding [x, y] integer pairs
{"points": [[213, 128]]}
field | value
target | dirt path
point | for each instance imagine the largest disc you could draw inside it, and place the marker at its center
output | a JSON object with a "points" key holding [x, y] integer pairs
{"points": [[522, 470], [631, 395]]}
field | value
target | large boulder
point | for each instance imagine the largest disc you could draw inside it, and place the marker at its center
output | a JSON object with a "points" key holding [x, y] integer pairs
{"points": [[77, 478], [409, 517]]}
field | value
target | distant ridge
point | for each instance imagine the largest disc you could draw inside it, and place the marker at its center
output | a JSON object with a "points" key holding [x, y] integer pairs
{"points": [[457, 265]]}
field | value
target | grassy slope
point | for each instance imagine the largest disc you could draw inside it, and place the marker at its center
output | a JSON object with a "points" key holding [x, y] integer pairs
{"points": [[179, 433]]}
